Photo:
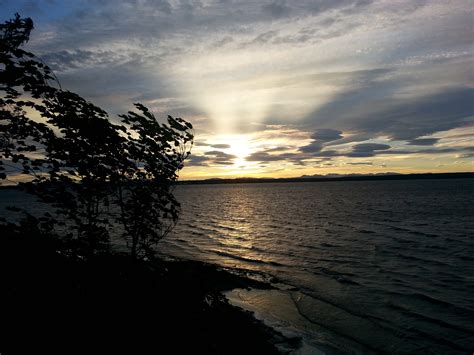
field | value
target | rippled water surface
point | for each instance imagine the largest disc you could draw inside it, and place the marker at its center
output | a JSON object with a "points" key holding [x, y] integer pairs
{"points": [[379, 266], [383, 266]]}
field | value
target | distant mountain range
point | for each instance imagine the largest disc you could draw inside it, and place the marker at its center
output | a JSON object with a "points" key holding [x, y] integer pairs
{"points": [[345, 175], [322, 178], [333, 177]]}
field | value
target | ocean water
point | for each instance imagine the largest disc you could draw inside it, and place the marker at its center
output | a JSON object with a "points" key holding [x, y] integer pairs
{"points": [[358, 267], [361, 267]]}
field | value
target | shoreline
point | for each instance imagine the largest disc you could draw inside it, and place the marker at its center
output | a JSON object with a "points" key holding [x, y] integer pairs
{"points": [[109, 303], [323, 178]]}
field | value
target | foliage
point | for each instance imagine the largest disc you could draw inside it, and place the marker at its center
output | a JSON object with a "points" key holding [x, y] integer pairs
{"points": [[24, 85], [155, 154], [93, 173]]}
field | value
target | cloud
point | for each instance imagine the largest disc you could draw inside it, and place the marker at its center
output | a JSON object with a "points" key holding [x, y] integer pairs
{"points": [[313, 147], [278, 149], [317, 7], [211, 158], [220, 146], [264, 37], [367, 149], [263, 157], [370, 147], [220, 158], [320, 137], [466, 156], [327, 135], [199, 143], [360, 163], [423, 141], [336, 73], [399, 118], [317, 152], [224, 41], [66, 60], [197, 160], [277, 9], [218, 153]]}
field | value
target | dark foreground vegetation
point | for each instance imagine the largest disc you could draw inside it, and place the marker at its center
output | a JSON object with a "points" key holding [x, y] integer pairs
{"points": [[51, 303], [68, 153]]}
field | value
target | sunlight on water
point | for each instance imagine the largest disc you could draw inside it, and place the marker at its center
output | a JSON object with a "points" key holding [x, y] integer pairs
{"points": [[372, 266]]}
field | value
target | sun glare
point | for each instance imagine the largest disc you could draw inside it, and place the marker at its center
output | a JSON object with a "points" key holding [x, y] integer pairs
{"points": [[240, 147]]}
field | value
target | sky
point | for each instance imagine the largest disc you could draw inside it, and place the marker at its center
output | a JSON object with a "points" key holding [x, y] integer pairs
{"points": [[277, 88]]}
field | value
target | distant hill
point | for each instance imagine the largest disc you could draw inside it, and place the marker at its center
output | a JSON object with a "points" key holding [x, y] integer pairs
{"points": [[321, 178], [333, 177], [336, 176]]}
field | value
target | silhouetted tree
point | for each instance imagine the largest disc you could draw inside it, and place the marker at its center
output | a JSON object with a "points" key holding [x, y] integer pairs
{"points": [[156, 152], [84, 166], [24, 85]]}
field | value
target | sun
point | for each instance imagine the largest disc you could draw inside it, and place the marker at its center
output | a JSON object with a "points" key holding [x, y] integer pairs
{"points": [[240, 147]]}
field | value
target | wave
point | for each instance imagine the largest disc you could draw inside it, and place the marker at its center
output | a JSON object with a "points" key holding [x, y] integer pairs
{"points": [[404, 310], [435, 302], [365, 231], [423, 260], [352, 250], [241, 258], [414, 232]]}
